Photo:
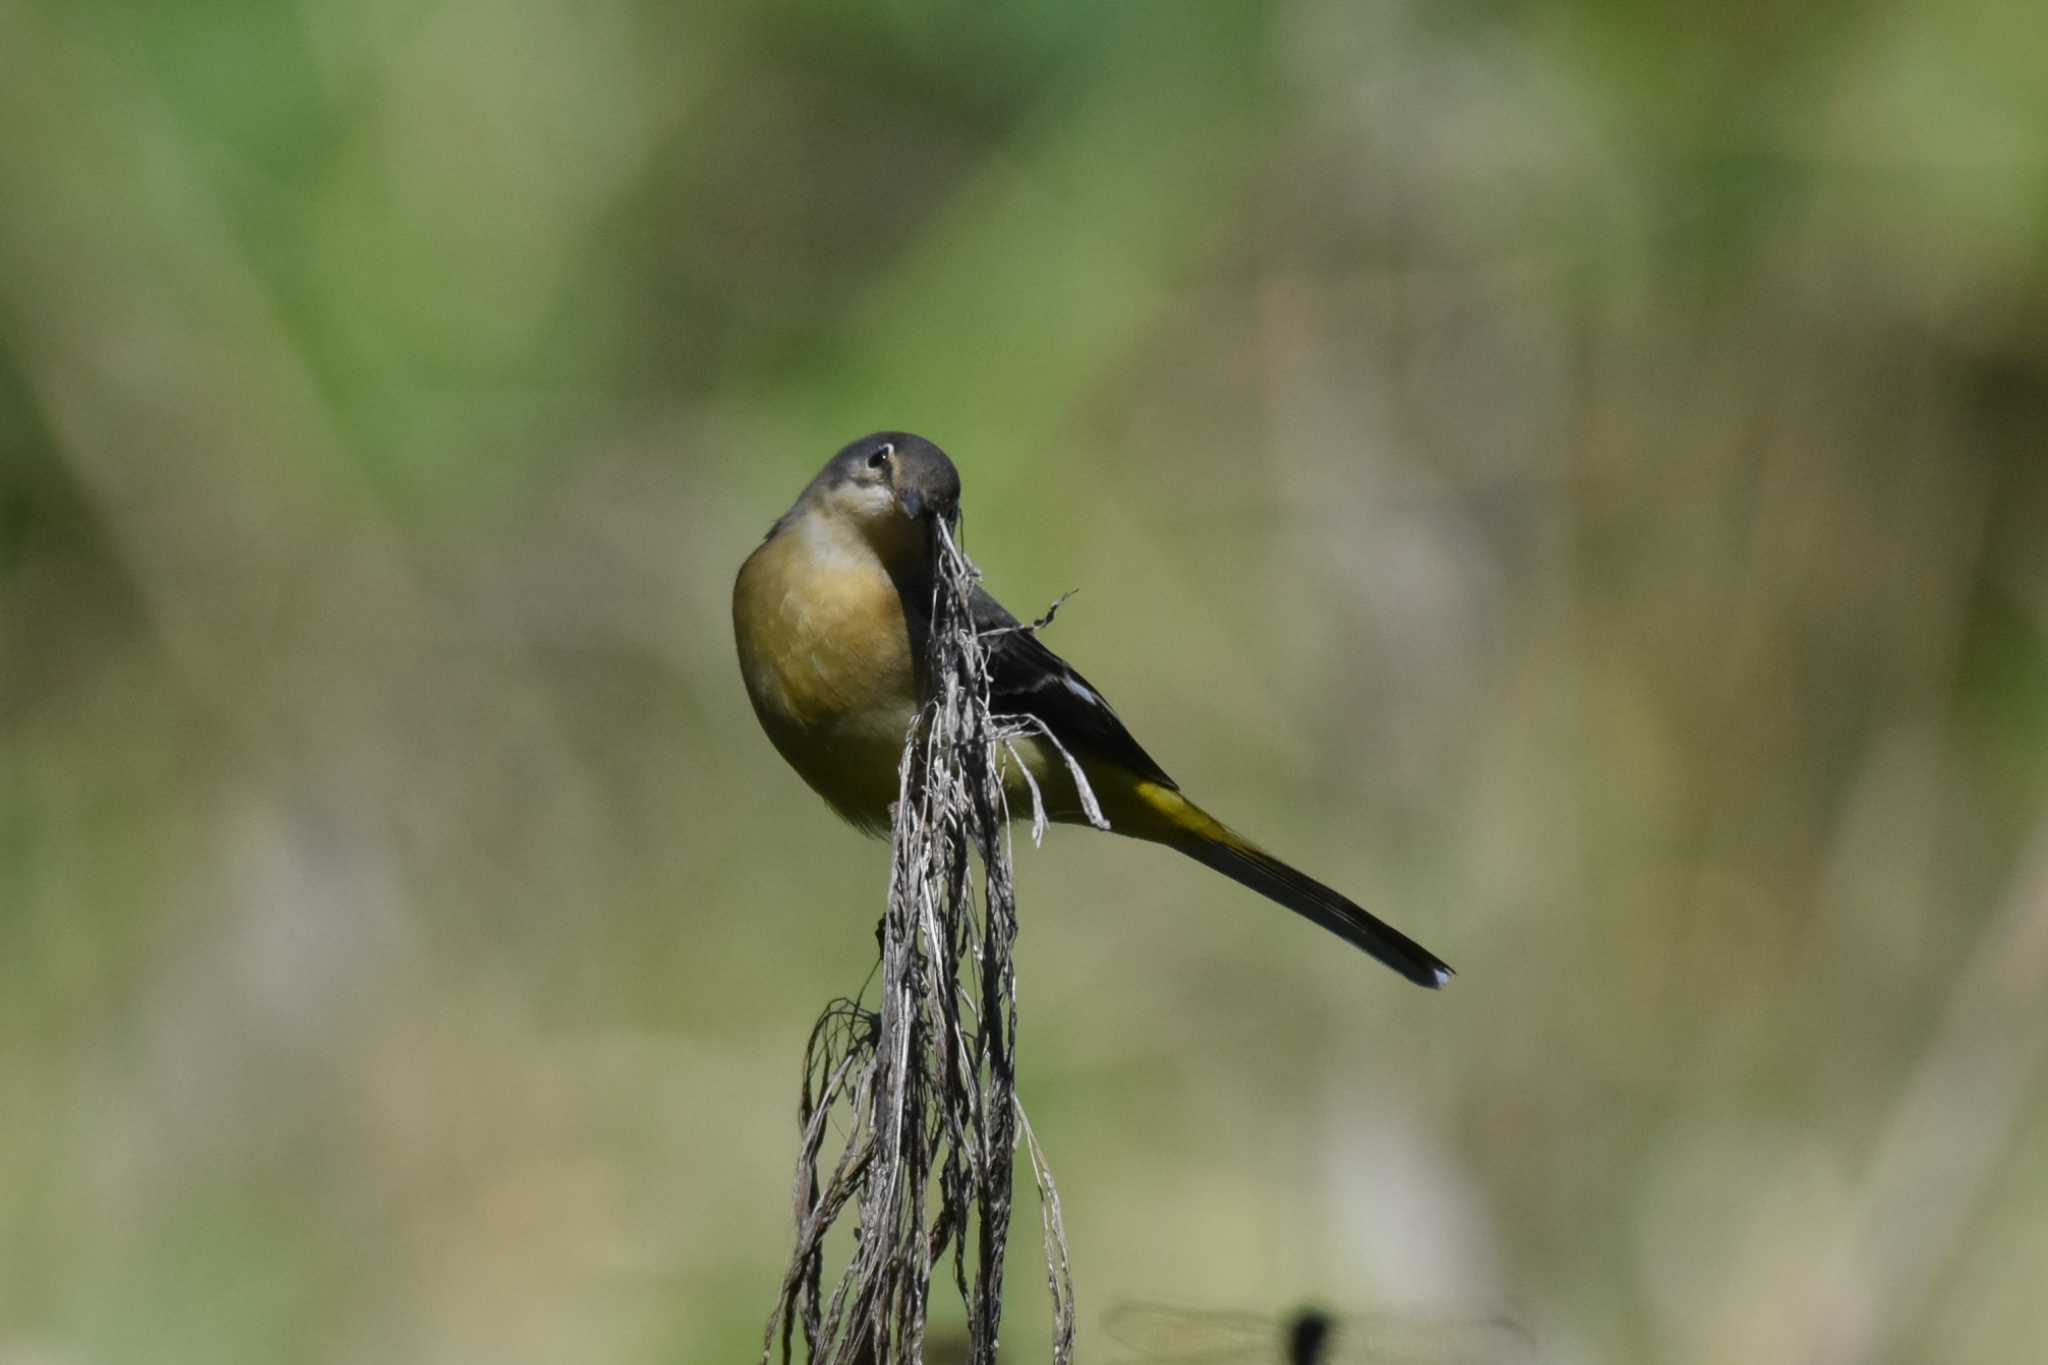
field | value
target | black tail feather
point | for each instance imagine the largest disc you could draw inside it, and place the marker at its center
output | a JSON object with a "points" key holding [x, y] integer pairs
{"points": [[1309, 898]]}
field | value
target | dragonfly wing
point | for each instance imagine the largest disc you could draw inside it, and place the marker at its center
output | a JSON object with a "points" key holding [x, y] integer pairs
{"points": [[1392, 1339], [1163, 1334]]}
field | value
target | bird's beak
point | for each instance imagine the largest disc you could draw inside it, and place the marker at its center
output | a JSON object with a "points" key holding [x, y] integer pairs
{"points": [[920, 505]]}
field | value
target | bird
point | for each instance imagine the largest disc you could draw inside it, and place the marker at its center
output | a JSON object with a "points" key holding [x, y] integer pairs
{"points": [[831, 614]]}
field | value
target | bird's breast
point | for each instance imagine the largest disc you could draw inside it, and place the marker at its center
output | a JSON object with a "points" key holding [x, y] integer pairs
{"points": [[827, 655]]}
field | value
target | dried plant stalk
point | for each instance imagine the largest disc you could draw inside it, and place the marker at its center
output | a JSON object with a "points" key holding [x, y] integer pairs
{"points": [[925, 1087]]}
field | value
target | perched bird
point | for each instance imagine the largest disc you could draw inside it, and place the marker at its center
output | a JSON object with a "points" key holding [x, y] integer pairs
{"points": [[832, 612]]}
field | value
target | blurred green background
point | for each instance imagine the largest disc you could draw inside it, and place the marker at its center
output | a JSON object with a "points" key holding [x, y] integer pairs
{"points": [[1570, 475]]}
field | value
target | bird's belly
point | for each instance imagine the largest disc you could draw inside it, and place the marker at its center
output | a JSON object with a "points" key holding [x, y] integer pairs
{"points": [[854, 763]]}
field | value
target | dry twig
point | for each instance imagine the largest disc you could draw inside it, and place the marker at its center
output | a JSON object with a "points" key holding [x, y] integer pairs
{"points": [[926, 1085]]}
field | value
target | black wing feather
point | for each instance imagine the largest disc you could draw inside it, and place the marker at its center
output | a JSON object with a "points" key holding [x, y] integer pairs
{"points": [[1026, 678]]}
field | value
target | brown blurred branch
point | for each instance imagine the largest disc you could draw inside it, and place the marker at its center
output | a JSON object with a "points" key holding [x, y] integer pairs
{"points": [[1955, 1120]]}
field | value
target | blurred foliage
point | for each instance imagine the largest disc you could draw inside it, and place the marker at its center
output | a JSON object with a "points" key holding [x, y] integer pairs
{"points": [[1569, 473]]}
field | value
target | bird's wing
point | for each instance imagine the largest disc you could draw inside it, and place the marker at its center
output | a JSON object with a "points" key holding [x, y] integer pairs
{"points": [[1026, 678]]}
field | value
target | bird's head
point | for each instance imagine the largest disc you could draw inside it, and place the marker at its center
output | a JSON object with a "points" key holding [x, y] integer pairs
{"points": [[890, 485]]}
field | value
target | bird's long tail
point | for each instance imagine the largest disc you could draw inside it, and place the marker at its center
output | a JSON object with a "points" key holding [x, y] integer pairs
{"points": [[1177, 822]]}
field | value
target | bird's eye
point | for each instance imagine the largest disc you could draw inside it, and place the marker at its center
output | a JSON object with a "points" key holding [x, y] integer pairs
{"points": [[880, 459]]}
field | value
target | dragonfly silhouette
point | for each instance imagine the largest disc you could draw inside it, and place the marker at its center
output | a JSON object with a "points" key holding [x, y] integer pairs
{"points": [[1163, 1335]]}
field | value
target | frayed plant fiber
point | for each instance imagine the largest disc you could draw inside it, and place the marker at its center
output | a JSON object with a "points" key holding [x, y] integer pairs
{"points": [[923, 1089]]}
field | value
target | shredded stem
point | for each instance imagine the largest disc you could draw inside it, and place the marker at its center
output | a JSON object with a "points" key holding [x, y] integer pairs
{"points": [[925, 1086]]}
